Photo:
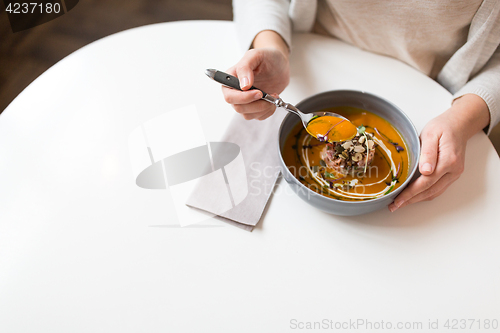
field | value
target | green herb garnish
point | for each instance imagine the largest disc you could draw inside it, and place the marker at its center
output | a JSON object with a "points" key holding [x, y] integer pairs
{"points": [[329, 175], [389, 190], [312, 119]]}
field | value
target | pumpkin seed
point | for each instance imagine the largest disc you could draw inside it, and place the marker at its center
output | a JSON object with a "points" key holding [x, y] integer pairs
{"points": [[359, 149]]}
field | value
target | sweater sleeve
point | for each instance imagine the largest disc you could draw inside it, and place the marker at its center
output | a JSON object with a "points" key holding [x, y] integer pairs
{"points": [[252, 17], [486, 84]]}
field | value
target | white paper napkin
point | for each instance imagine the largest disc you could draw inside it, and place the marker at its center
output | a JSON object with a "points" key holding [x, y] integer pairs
{"points": [[250, 183]]}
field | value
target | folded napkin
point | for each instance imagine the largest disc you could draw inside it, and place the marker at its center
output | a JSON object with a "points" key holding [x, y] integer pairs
{"points": [[248, 181]]}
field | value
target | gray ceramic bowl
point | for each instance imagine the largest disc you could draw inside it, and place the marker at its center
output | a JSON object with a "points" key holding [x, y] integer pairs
{"points": [[362, 100]]}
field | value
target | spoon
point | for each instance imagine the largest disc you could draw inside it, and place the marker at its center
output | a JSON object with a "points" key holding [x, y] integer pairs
{"points": [[324, 126]]}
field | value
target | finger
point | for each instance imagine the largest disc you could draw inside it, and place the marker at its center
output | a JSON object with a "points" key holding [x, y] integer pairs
{"points": [[258, 115], [249, 116], [245, 67], [266, 115], [437, 194], [254, 107], [433, 191], [233, 96], [421, 184], [429, 153]]}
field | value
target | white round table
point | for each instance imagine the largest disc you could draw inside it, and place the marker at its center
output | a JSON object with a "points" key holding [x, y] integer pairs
{"points": [[83, 249]]}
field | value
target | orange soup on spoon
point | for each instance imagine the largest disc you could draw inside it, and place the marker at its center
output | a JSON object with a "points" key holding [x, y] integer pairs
{"points": [[331, 129]]}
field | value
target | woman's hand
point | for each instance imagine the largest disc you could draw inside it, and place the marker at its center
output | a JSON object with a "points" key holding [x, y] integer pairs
{"points": [[442, 157], [267, 68]]}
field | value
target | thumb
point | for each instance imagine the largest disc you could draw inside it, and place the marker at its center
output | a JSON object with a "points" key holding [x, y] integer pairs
{"points": [[429, 153], [245, 68]]}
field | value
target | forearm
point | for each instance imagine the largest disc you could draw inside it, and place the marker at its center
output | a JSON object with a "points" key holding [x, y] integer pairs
{"points": [[470, 114], [271, 39]]}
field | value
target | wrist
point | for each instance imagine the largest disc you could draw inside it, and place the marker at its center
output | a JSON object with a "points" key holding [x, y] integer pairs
{"points": [[470, 114], [271, 39]]}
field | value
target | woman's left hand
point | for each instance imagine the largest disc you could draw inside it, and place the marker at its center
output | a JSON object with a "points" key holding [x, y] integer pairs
{"points": [[442, 157]]}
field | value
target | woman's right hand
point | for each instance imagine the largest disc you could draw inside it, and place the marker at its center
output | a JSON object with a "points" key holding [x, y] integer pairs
{"points": [[265, 67]]}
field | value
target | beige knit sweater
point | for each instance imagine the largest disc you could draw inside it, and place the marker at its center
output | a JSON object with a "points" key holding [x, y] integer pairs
{"points": [[455, 42]]}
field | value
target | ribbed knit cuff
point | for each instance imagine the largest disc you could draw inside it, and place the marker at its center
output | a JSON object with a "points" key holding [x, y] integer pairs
{"points": [[250, 19], [491, 102]]}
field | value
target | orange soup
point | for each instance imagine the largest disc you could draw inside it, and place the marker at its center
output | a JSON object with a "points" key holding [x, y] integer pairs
{"points": [[331, 129], [372, 164]]}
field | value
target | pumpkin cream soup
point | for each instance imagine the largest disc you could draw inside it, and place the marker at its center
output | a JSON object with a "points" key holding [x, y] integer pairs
{"points": [[331, 129], [366, 165]]}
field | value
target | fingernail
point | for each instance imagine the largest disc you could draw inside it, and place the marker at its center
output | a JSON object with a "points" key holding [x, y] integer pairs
{"points": [[244, 82], [258, 95], [392, 208], [398, 203], [427, 167]]}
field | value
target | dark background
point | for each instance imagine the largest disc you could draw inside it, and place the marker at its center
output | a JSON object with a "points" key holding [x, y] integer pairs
{"points": [[26, 54]]}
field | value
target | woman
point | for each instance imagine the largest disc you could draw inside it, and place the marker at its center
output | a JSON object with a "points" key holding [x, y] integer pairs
{"points": [[455, 42]]}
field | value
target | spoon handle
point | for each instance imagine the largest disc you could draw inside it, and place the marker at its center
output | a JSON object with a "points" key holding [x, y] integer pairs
{"points": [[228, 80], [232, 82]]}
